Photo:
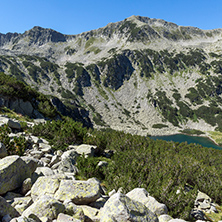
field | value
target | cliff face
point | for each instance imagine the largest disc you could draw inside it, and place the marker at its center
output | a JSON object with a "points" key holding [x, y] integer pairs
{"points": [[129, 75]]}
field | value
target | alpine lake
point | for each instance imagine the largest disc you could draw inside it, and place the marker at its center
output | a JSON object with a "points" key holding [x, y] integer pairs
{"points": [[204, 141]]}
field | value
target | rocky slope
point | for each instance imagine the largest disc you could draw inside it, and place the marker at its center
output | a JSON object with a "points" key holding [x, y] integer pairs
{"points": [[41, 185], [140, 75]]}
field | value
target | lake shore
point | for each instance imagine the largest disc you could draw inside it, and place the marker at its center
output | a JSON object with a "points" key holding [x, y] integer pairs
{"points": [[207, 140]]}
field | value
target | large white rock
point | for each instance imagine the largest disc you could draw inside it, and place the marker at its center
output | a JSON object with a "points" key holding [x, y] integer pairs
{"points": [[90, 213], [67, 165], [164, 218], [22, 203], [45, 206], [44, 186], [87, 150], [13, 171], [46, 171], [70, 154], [23, 219], [119, 207], [141, 195], [80, 192]]}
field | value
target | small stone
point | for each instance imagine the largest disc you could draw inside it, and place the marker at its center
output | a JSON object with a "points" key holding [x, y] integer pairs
{"points": [[35, 139], [87, 150], [90, 212], [102, 164], [3, 151], [36, 154], [112, 192], [202, 196], [45, 160], [14, 124], [59, 153], [55, 159], [46, 147], [6, 218], [26, 186], [64, 217], [204, 206], [99, 203], [164, 218], [45, 171]]}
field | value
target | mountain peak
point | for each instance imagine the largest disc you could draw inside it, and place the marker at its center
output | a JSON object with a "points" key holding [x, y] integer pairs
{"points": [[40, 36]]}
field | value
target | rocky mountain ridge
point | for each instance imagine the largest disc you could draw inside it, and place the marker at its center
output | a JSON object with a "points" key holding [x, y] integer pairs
{"points": [[135, 32], [129, 75]]}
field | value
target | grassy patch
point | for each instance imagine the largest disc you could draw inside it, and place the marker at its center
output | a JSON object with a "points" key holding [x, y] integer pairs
{"points": [[192, 131], [11, 114], [215, 216], [216, 136], [90, 42], [94, 49]]}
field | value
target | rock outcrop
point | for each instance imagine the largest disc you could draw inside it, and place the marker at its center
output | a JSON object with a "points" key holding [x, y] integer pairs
{"points": [[119, 207], [13, 171], [141, 195]]}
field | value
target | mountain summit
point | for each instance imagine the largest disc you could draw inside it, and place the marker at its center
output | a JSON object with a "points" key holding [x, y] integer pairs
{"points": [[140, 75]]}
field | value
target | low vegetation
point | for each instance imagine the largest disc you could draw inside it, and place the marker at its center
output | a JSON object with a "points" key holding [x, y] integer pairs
{"points": [[11, 87], [159, 126], [160, 167], [192, 132], [216, 136], [17, 145]]}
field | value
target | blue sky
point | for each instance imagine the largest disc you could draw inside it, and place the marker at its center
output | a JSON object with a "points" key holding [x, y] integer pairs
{"points": [[73, 17]]}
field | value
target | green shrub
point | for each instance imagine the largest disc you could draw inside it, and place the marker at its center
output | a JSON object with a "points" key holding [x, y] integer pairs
{"points": [[61, 133], [88, 168], [160, 167], [16, 146], [14, 88], [159, 126]]}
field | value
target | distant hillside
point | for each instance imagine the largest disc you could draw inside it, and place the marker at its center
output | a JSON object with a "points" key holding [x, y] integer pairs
{"points": [[132, 75]]}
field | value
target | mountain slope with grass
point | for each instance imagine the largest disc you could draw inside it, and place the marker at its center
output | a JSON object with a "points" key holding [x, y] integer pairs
{"points": [[140, 75]]}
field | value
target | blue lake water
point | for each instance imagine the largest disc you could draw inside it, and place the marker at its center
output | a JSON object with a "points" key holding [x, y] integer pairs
{"points": [[204, 141]]}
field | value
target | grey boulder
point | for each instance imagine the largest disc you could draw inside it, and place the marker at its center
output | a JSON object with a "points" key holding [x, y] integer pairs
{"points": [[141, 195], [119, 207], [13, 171]]}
